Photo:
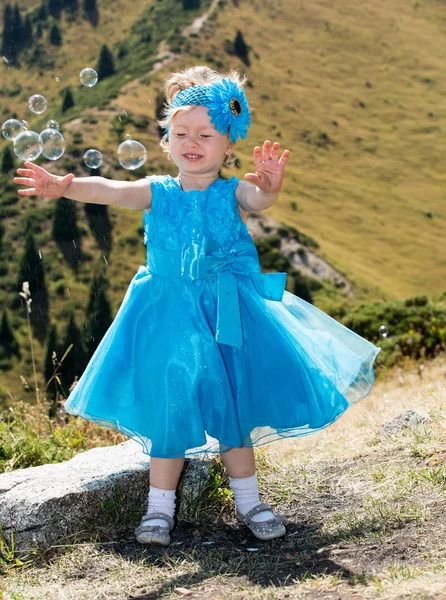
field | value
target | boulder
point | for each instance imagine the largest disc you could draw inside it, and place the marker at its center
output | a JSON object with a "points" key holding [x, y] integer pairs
{"points": [[52, 503], [409, 418]]}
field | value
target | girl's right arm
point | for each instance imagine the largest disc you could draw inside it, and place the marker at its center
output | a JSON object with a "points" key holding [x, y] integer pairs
{"points": [[97, 190]]}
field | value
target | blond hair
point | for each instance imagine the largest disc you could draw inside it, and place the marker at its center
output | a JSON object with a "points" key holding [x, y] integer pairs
{"points": [[177, 82]]}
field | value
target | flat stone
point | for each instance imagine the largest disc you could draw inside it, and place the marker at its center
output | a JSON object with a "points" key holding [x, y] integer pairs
{"points": [[45, 505]]}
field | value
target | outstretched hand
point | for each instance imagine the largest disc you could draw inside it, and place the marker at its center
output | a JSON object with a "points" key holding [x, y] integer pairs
{"points": [[269, 168], [42, 183]]}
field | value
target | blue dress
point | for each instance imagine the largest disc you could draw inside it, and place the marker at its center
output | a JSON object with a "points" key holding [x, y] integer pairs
{"points": [[206, 352]]}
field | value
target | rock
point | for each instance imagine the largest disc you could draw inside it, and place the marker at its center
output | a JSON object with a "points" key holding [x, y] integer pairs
{"points": [[44, 505], [409, 418], [309, 263]]}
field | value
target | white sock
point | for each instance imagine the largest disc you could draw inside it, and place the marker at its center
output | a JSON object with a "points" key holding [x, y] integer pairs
{"points": [[161, 501], [246, 496]]}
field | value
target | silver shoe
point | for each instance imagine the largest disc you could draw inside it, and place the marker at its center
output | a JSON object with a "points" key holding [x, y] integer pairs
{"points": [[154, 534], [263, 530]]}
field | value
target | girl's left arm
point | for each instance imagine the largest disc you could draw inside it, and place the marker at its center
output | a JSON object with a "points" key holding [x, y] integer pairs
{"points": [[267, 179]]}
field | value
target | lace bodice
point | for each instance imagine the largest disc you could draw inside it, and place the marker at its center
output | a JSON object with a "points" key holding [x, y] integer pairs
{"points": [[176, 216]]}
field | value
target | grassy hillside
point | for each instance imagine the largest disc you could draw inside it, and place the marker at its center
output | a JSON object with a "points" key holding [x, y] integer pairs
{"points": [[354, 90]]}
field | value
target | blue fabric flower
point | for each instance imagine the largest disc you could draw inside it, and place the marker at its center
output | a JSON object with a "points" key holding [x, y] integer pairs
{"points": [[228, 109], [227, 106]]}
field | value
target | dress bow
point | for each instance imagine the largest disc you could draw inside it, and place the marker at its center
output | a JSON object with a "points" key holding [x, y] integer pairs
{"points": [[204, 258]]}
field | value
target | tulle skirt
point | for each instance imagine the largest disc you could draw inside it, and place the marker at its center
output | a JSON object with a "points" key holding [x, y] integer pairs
{"points": [[160, 376]]}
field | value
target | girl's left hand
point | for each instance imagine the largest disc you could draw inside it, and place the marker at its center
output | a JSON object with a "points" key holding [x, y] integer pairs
{"points": [[269, 168]]}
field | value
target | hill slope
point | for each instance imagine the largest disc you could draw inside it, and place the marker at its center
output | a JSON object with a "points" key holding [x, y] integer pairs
{"points": [[354, 90]]}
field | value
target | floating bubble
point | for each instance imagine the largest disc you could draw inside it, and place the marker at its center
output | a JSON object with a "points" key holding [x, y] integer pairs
{"points": [[52, 124], [88, 77], [27, 145], [131, 154], [11, 128], [383, 331], [92, 158], [53, 143], [37, 104]]}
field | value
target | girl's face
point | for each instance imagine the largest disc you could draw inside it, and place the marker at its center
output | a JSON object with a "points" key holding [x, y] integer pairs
{"points": [[196, 147]]}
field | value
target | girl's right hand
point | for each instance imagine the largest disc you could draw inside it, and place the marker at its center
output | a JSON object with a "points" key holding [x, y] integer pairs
{"points": [[41, 182]]}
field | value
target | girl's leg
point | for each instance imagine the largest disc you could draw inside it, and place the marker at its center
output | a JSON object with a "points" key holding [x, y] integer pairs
{"points": [[239, 462], [164, 476], [165, 472], [241, 467]]}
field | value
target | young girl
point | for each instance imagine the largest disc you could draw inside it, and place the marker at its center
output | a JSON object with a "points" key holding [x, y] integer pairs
{"points": [[206, 352]]}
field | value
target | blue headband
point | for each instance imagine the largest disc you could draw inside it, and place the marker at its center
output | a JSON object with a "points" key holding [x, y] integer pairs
{"points": [[227, 106]]}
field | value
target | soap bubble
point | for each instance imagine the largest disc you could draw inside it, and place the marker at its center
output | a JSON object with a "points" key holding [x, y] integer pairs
{"points": [[383, 331], [11, 128], [37, 104], [131, 154], [88, 77], [93, 158], [27, 145], [53, 143], [52, 124]]}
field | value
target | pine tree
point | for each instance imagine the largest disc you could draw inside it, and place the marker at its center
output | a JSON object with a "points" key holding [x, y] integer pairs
{"points": [[89, 5], [42, 14], [240, 48], [68, 100], [8, 341], [65, 221], [105, 66], [66, 232], [8, 162], [27, 33], [99, 221], [31, 270], [12, 32], [17, 28], [99, 316], [76, 360], [55, 35], [7, 44], [191, 4], [54, 8], [70, 5]]}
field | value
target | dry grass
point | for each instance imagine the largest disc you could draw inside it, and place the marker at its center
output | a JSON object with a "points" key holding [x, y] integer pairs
{"points": [[365, 521]]}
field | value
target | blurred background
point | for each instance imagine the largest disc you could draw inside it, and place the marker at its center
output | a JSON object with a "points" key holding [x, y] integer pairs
{"points": [[356, 92]]}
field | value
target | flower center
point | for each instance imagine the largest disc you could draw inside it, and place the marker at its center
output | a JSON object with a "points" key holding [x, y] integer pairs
{"points": [[235, 107]]}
